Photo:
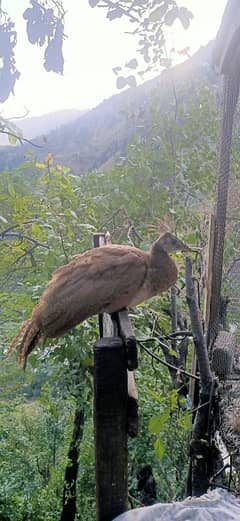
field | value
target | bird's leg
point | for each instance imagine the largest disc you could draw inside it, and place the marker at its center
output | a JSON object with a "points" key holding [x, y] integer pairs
{"points": [[114, 316], [126, 333]]}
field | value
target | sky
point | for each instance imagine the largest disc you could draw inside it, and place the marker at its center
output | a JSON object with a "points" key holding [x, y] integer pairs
{"points": [[93, 47]]}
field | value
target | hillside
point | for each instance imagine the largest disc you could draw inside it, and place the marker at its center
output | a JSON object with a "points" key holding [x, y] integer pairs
{"points": [[102, 134], [34, 126]]}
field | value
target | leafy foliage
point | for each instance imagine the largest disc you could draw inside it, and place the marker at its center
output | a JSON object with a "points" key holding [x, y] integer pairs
{"points": [[9, 73], [45, 27], [150, 21], [48, 215]]}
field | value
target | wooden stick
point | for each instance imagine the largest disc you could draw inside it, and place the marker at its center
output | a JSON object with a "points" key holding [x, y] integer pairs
{"points": [[193, 390], [200, 443], [110, 420]]}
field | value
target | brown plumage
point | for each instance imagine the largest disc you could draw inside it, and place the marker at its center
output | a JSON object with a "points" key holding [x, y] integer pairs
{"points": [[104, 279]]}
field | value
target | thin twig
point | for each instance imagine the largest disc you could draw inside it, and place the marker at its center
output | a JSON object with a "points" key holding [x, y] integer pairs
{"points": [[191, 411], [63, 246], [182, 334], [18, 117], [21, 236], [19, 138], [167, 364], [112, 5], [10, 228]]}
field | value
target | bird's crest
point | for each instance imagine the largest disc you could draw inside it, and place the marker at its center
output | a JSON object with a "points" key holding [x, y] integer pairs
{"points": [[167, 239]]}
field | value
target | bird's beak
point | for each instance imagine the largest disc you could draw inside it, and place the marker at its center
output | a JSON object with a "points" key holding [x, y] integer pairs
{"points": [[195, 249], [181, 246], [185, 248]]}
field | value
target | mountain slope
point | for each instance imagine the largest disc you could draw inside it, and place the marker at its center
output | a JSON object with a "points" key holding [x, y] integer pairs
{"points": [[32, 127], [102, 135]]}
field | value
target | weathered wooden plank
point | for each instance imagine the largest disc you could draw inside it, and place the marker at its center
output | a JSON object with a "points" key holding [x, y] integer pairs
{"points": [[199, 454], [110, 420]]}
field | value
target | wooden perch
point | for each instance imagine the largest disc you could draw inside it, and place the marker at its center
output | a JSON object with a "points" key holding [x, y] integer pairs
{"points": [[200, 450], [110, 420], [197, 331]]}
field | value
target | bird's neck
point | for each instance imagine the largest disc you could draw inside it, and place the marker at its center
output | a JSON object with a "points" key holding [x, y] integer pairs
{"points": [[159, 255], [163, 268]]}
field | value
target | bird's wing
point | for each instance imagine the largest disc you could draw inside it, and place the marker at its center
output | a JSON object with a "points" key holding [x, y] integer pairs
{"points": [[102, 279]]}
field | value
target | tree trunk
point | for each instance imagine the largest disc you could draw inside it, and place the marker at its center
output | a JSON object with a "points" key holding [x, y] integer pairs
{"points": [[70, 480], [200, 448]]}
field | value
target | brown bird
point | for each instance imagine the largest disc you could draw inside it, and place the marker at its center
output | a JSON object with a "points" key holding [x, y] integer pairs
{"points": [[105, 279]]}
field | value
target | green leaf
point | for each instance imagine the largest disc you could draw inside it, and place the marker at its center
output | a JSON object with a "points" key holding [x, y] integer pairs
{"points": [[38, 232], [40, 166], [11, 190], [36, 229], [115, 13], [158, 13], [185, 421], [174, 398], [131, 80], [121, 82], [155, 396], [87, 226], [171, 16], [132, 64], [116, 70], [73, 214], [160, 448], [157, 423], [93, 3], [173, 353], [185, 16], [12, 139]]}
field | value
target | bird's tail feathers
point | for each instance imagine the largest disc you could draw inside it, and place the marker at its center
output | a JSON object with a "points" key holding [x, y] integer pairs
{"points": [[25, 341]]}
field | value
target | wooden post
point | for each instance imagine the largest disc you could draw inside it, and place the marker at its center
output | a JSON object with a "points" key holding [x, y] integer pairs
{"points": [[110, 417], [200, 447], [193, 392]]}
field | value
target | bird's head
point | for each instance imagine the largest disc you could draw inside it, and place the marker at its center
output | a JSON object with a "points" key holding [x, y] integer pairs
{"points": [[170, 244]]}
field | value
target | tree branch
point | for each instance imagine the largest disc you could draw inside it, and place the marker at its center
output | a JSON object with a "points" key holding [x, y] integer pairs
{"points": [[20, 138], [18, 235], [163, 362]]}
